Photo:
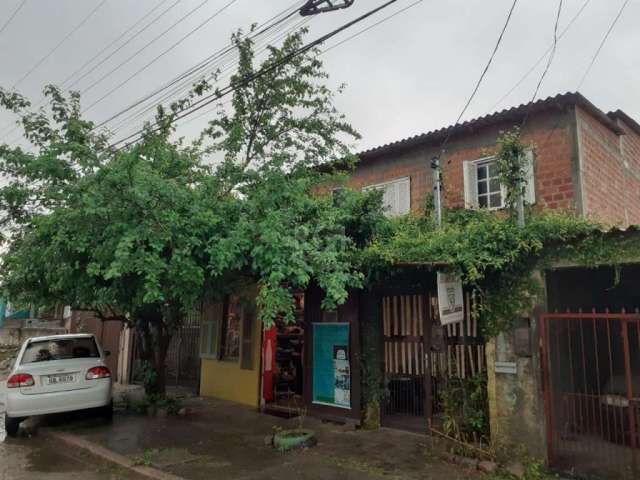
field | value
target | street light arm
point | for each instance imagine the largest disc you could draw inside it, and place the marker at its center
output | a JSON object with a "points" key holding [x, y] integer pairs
{"points": [[314, 7]]}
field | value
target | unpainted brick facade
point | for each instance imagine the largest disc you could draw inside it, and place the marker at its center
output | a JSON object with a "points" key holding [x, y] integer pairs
{"points": [[581, 164]]}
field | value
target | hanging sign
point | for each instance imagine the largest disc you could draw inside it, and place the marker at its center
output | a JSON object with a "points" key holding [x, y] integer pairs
{"points": [[450, 299], [331, 367]]}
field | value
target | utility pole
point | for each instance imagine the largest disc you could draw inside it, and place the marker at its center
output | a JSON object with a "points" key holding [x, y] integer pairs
{"points": [[314, 7], [437, 189]]}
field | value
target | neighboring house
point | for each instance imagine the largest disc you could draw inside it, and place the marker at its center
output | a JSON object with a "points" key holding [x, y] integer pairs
{"points": [[582, 160], [113, 335]]}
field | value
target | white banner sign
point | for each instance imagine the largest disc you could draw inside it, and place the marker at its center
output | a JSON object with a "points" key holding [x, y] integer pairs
{"points": [[450, 299]]}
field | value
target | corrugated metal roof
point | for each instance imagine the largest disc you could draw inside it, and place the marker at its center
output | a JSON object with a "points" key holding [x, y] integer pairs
{"points": [[513, 113]]}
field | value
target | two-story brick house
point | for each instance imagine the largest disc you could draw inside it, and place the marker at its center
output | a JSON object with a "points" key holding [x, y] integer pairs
{"points": [[585, 160], [581, 160]]}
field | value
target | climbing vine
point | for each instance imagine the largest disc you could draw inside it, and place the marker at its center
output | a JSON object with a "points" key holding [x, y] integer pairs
{"points": [[492, 254]]}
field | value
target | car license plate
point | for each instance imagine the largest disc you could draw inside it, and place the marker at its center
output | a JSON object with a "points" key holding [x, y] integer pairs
{"points": [[58, 379]]}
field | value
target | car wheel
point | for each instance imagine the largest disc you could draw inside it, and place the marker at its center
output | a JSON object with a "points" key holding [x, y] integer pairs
{"points": [[11, 425]]}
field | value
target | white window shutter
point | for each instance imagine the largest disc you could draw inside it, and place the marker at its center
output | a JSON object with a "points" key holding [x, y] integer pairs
{"points": [[403, 188], [390, 199], [470, 185], [530, 187]]}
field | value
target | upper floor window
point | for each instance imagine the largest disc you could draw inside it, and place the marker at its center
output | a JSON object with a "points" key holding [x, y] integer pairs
{"points": [[396, 199], [482, 187]]}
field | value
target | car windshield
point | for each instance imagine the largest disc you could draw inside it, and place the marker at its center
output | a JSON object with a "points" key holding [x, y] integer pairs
{"points": [[60, 349]]}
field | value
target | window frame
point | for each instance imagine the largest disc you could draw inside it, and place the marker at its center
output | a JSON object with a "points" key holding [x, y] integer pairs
{"points": [[383, 185], [486, 162], [222, 339]]}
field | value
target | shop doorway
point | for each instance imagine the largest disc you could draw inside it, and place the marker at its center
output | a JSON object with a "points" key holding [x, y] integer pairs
{"points": [[282, 366]]}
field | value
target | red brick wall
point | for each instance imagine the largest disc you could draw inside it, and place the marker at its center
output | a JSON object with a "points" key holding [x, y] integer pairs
{"points": [[549, 133], [610, 166]]}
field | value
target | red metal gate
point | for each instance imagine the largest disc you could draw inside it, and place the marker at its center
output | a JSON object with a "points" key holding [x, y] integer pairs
{"points": [[591, 370]]}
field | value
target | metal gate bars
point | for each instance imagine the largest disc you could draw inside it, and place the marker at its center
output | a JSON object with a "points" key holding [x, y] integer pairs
{"points": [[591, 375]]}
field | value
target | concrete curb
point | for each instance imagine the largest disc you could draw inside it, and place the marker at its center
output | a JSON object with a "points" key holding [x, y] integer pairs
{"points": [[110, 456]]}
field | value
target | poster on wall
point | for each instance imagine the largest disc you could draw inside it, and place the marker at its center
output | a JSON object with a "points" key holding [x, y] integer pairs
{"points": [[450, 299], [331, 367]]}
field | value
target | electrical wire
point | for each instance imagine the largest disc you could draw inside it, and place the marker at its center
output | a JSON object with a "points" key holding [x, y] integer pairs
{"points": [[552, 55], [542, 57], [604, 39], [227, 70], [10, 127], [547, 66], [351, 37], [58, 45], [158, 57], [200, 104], [15, 12], [199, 71], [118, 38], [482, 75], [140, 50], [357, 34]]}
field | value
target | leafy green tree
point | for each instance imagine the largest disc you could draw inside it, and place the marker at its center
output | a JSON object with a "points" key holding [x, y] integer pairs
{"points": [[144, 233]]}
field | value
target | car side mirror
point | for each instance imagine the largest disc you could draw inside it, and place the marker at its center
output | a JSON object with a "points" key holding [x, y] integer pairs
{"points": [[107, 353]]}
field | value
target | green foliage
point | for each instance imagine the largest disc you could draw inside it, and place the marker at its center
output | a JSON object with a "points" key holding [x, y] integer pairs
{"points": [[465, 408], [511, 162], [154, 402], [495, 257], [144, 233]]}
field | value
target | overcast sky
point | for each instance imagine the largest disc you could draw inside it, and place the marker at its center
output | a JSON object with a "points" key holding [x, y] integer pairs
{"points": [[407, 75]]}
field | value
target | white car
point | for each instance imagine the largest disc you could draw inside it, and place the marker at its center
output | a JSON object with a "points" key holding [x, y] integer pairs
{"points": [[55, 374]]}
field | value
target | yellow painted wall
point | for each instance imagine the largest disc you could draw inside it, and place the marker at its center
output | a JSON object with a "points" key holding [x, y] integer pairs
{"points": [[227, 381]]}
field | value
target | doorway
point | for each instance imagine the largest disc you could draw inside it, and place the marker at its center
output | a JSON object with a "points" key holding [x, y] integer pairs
{"points": [[282, 367]]}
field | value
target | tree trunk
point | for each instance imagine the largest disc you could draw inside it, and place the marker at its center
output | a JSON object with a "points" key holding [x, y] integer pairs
{"points": [[154, 339]]}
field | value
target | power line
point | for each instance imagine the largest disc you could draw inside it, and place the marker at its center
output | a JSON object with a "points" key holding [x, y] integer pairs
{"points": [[42, 100], [119, 37], [53, 50], [156, 38], [553, 53], [181, 90], [542, 57], [15, 12], [351, 37], [482, 75], [547, 66], [158, 57], [604, 39], [357, 34], [250, 78], [187, 77]]}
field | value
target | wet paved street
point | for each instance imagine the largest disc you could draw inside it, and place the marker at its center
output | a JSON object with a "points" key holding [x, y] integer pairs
{"points": [[35, 458]]}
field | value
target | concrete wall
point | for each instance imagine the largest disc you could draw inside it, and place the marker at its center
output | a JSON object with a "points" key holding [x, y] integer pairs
{"points": [[516, 406], [16, 336]]}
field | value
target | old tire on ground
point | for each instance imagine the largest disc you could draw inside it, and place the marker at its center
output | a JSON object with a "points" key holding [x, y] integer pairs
{"points": [[11, 425], [290, 439]]}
